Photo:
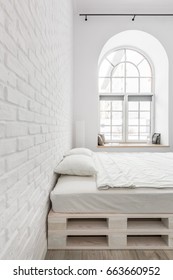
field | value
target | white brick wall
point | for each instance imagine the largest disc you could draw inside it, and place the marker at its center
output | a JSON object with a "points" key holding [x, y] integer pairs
{"points": [[36, 60]]}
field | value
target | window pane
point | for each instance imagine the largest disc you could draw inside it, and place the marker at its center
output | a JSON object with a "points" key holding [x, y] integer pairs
{"points": [[132, 85], [105, 118], [133, 106], [145, 129], [104, 85], [133, 130], [133, 133], [117, 118], [134, 56], [116, 57], [117, 129], [117, 105], [144, 133], [144, 137], [145, 105], [133, 121], [133, 137], [116, 137], [131, 70], [105, 105], [144, 68], [118, 85], [133, 118], [107, 137], [119, 71], [145, 85], [105, 69], [145, 118], [105, 129]]}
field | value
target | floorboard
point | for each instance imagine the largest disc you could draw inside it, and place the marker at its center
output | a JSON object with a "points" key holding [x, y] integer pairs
{"points": [[109, 255]]}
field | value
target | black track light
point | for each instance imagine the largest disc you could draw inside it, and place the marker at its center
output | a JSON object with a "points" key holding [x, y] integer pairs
{"points": [[133, 19]]}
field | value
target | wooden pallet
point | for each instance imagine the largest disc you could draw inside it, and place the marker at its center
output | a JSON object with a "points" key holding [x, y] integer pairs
{"points": [[110, 231]]}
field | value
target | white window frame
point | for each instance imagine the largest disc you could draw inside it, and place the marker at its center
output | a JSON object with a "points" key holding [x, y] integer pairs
{"points": [[126, 95]]}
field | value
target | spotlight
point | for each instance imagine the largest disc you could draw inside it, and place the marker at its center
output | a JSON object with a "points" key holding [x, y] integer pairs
{"points": [[133, 19]]}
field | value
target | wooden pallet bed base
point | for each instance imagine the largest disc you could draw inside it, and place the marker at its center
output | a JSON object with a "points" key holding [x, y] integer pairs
{"points": [[110, 231]]}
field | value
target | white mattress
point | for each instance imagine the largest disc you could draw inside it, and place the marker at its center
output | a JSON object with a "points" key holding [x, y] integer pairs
{"points": [[73, 194]]}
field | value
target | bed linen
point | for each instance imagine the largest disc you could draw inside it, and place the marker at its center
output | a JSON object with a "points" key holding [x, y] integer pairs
{"points": [[134, 170], [75, 194]]}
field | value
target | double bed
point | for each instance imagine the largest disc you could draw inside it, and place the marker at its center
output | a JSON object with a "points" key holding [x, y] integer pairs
{"points": [[99, 213]]}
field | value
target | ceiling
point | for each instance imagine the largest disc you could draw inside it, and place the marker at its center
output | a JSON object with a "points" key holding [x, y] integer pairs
{"points": [[123, 6]]}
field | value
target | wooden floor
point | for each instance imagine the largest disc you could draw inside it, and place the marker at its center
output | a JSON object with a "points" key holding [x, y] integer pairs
{"points": [[109, 255]]}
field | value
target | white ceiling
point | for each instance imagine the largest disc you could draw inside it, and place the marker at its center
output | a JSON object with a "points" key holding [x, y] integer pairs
{"points": [[123, 6]]}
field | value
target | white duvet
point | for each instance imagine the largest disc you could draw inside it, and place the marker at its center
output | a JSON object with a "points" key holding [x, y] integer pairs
{"points": [[134, 170]]}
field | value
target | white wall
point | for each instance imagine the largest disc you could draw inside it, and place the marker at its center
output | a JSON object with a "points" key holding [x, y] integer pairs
{"points": [[36, 60], [90, 37]]}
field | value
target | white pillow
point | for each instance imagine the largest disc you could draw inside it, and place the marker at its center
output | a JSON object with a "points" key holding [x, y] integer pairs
{"points": [[79, 151], [80, 165]]}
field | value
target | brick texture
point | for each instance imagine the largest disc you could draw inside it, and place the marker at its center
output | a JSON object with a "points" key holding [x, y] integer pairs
{"points": [[36, 82]]}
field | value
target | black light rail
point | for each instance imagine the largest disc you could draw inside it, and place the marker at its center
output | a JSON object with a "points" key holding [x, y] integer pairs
{"points": [[125, 15]]}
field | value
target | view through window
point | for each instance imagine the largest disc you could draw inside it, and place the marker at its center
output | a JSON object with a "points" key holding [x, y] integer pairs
{"points": [[126, 96]]}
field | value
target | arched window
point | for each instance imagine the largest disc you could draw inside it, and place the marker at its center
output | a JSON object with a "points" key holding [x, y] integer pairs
{"points": [[126, 96]]}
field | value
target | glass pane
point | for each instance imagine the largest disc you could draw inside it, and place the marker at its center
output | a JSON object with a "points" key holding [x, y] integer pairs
{"points": [[144, 69], [116, 57], [145, 85], [117, 129], [105, 129], [118, 85], [105, 105], [145, 129], [119, 71], [116, 137], [133, 105], [133, 130], [145, 105], [117, 118], [145, 118], [131, 70], [107, 137], [117, 105], [133, 122], [105, 118], [134, 56], [105, 69], [133, 118], [104, 85], [132, 85], [144, 137], [133, 137]]}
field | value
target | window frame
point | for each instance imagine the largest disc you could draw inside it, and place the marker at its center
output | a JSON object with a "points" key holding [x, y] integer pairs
{"points": [[126, 95]]}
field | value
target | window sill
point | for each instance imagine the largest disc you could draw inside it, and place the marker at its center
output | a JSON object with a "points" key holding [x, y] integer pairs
{"points": [[132, 145]]}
